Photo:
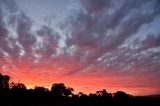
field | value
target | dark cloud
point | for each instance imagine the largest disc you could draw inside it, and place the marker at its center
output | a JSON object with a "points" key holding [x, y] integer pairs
{"points": [[25, 36], [151, 41], [96, 35], [3, 33], [12, 45], [91, 30], [19, 42], [96, 6], [3, 29], [10, 5], [50, 40]]}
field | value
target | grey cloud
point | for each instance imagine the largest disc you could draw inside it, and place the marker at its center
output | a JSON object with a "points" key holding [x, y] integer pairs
{"points": [[10, 5], [50, 40], [96, 6], [151, 41], [25, 36], [3, 33], [88, 30], [102, 33], [128, 27], [133, 61], [25, 44], [3, 29], [101, 30], [17, 20], [7, 43]]}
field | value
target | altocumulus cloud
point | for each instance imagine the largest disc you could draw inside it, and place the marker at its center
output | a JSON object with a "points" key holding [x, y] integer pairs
{"points": [[99, 36], [109, 33]]}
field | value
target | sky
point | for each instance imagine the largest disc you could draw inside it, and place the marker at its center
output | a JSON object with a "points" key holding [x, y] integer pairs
{"points": [[89, 45]]}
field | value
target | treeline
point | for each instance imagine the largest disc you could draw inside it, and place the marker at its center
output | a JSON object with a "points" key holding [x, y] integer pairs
{"points": [[17, 94]]}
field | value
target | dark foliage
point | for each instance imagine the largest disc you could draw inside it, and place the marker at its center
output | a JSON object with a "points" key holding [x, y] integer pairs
{"points": [[16, 94]]}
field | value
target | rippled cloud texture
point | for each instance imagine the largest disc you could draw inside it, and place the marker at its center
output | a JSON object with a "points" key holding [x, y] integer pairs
{"points": [[93, 44]]}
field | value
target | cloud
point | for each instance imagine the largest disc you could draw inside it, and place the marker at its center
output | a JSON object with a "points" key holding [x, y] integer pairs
{"points": [[101, 37], [10, 5], [95, 6], [50, 39], [151, 41], [19, 41], [3, 32], [96, 35], [25, 36]]}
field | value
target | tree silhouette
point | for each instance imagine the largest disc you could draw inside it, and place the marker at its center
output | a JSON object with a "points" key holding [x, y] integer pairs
{"points": [[16, 94], [68, 92], [82, 95], [92, 95], [120, 95], [40, 91], [4, 84], [18, 89], [1, 85], [18, 86], [104, 94], [59, 89]]}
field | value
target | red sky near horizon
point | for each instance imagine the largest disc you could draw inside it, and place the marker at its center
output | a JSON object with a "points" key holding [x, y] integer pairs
{"points": [[135, 85], [89, 45]]}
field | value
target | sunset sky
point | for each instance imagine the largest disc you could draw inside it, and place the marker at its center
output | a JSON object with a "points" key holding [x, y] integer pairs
{"points": [[89, 45]]}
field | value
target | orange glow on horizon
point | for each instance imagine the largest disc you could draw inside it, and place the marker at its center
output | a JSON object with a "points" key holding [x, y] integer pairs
{"points": [[45, 75], [85, 83]]}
